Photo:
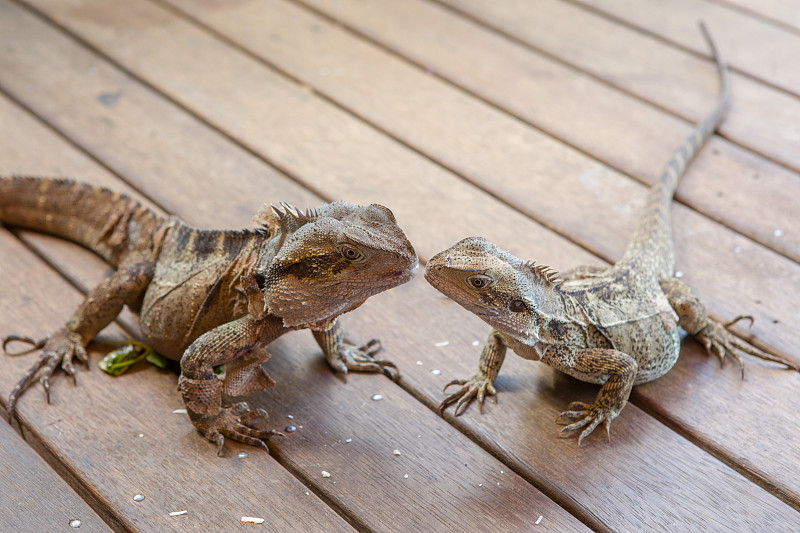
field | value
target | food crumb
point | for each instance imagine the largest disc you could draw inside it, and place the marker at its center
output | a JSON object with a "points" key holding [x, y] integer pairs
{"points": [[442, 344], [326, 473], [252, 520], [348, 440], [177, 513], [75, 524], [179, 411], [396, 452], [539, 520]]}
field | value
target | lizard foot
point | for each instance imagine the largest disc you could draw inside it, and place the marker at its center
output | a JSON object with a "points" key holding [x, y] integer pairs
{"points": [[718, 340], [588, 416], [61, 348], [360, 359], [478, 386], [233, 423]]}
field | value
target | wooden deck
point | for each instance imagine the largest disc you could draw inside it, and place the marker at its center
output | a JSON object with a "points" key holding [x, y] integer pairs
{"points": [[537, 124]]}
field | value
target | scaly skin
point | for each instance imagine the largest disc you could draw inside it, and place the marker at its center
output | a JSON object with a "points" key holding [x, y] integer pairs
{"points": [[615, 326], [209, 297]]}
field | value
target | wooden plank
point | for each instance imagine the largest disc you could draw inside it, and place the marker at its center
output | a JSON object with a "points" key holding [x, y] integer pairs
{"points": [[781, 12], [483, 144], [284, 123], [762, 118], [418, 188], [753, 46], [32, 496], [397, 27], [135, 445], [646, 479], [628, 484], [400, 422]]}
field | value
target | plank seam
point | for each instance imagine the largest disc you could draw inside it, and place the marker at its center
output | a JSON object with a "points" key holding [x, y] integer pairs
{"points": [[710, 447], [679, 198], [498, 31], [755, 14], [673, 44]]}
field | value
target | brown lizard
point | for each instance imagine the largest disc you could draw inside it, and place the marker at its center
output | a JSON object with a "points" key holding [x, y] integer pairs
{"points": [[615, 326], [211, 297]]}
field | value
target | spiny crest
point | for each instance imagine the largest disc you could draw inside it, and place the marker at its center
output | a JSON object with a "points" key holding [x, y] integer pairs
{"points": [[288, 217], [543, 273]]}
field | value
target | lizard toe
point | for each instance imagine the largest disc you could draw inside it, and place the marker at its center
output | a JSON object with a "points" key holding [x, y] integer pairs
{"points": [[587, 417], [233, 423]]}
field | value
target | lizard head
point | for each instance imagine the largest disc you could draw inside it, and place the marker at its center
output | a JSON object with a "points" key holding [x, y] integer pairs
{"points": [[508, 293], [328, 261]]}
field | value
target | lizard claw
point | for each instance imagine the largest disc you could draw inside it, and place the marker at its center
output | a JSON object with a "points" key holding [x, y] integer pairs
{"points": [[61, 347], [719, 341], [588, 416], [360, 359], [233, 423], [478, 386]]}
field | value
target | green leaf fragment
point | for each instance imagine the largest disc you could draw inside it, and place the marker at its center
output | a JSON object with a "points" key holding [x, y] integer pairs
{"points": [[155, 358], [118, 361]]}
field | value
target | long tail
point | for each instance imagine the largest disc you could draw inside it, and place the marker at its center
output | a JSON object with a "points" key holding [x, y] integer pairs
{"points": [[109, 223], [653, 235]]}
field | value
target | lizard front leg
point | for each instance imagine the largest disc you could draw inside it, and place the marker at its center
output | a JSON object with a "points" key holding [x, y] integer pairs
{"points": [[101, 305], [714, 336], [621, 370], [238, 345], [482, 383], [344, 356]]}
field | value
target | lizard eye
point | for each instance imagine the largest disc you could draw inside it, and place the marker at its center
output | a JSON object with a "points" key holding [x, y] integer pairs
{"points": [[479, 281], [517, 306], [351, 253]]}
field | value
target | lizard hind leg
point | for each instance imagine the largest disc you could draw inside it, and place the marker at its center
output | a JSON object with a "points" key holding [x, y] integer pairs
{"points": [[713, 335]]}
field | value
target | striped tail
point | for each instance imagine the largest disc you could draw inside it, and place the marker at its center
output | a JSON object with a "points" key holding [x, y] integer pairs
{"points": [[653, 235], [109, 223]]}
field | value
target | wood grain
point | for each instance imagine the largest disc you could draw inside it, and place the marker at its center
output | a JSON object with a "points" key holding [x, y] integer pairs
{"points": [[487, 146], [660, 480], [750, 45], [526, 503], [780, 12], [199, 125], [32, 496], [762, 118]]}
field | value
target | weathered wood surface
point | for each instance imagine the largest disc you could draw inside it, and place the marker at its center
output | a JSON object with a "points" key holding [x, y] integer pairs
{"points": [[206, 109], [32, 496]]}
